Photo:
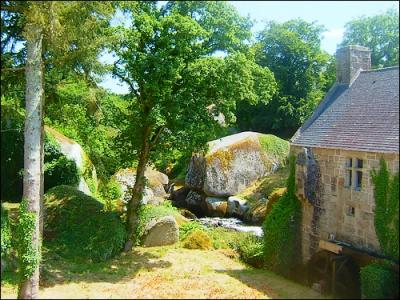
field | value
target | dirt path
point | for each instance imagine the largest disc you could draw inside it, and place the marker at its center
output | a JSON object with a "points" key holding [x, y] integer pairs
{"points": [[163, 272]]}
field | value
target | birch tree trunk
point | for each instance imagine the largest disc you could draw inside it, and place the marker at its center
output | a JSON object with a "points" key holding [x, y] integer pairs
{"points": [[29, 287]]}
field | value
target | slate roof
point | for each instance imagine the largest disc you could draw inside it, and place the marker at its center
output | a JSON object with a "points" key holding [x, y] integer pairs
{"points": [[363, 117]]}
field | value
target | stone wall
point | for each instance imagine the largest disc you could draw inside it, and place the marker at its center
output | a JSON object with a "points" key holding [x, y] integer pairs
{"points": [[332, 213]]}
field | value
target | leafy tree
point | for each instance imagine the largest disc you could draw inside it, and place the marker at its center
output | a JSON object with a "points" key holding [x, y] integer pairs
{"points": [[165, 57], [292, 51], [380, 33]]}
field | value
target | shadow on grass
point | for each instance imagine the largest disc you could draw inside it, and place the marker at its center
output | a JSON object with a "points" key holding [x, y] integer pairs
{"points": [[272, 284], [123, 267]]}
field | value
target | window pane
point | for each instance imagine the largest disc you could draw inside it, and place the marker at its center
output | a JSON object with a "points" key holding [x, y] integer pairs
{"points": [[358, 179], [349, 162], [359, 163], [348, 178]]}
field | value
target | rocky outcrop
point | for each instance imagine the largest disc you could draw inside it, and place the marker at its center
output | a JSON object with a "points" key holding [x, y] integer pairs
{"points": [[73, 151], [234, 162], [237, 207], [161, 232], [154, 192], [216, 207]]}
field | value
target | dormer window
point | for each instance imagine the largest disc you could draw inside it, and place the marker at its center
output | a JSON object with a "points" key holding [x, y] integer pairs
{"points": [[353, 173]]}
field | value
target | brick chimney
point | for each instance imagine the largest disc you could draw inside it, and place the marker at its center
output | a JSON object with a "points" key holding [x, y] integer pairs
{"points": [[349, 60]]}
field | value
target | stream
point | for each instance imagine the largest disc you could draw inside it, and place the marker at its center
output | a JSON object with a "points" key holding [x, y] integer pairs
{"points": [[231, 223]]}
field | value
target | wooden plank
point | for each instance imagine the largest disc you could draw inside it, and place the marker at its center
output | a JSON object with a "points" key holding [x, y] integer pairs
{"points": [[325, 245]]}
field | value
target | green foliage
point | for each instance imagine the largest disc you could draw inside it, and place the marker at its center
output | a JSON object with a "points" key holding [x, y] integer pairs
{"points": [[78, 226], [303, 72], [12, 148], [386, 191], [275, 147], [5, 233], [251, 251], [29, 256], [197, 239], [187, 228], [148, 212], [380, 33], [282, 229], [379, 282], [111, 193], [58, 169]]}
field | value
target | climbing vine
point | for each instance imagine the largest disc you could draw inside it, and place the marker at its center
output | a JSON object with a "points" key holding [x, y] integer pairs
{"points": [[28, 255], [386, 190], [282, 229]]}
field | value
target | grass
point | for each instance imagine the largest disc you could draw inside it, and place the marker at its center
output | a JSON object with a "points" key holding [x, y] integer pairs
{"points": [[160, 272]]}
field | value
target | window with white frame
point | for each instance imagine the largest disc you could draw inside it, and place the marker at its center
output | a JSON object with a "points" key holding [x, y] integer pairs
{"points": [[353, 173]]}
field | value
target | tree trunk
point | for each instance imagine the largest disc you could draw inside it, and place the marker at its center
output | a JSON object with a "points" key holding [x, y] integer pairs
{"points": [[29, 287], [137, 191]]}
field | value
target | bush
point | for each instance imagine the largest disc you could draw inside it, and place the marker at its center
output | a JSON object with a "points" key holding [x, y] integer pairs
{"points": [[5, 234], [76, 225], [148, 212], [250, 249], [187, 228], [379, 282], [111, 193], [282, 230], [58, 169], [197, 239]]}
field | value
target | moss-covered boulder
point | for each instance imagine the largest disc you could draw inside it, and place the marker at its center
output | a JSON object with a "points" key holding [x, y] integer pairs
{"points": [[154, 192], [76, 225], [88, 183], [234, 162]]}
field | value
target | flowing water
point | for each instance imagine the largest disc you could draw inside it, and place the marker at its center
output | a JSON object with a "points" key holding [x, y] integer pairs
{"points": [[231, 223]]}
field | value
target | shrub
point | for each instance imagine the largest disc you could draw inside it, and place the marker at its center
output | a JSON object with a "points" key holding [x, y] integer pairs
{"points": [[187, 228], [58, 169], [378, 282], [250, 249], [77, 225], [197, 239], [111, 193], [282, 230], [5, 234], [148, 212]]}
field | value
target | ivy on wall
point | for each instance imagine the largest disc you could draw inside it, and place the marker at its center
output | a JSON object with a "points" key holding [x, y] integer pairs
{"points": [[386, 190], [281, 228]]}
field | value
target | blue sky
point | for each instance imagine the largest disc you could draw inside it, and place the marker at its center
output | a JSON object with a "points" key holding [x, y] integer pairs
{"points": [[331, 14]]}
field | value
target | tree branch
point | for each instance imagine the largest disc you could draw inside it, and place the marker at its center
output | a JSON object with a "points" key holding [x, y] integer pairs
{"points": [[13, 69], [11, 9], [124, 79], [155, 138]]}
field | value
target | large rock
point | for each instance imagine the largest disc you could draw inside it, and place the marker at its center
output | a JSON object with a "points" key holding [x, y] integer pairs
{"points": [[73, 151], [161, 232], [195, 202], [237, 207], [216, 207], [234, 162], [154, 192]]}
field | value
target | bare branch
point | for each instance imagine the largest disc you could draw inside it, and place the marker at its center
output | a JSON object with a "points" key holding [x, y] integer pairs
{"points": [[13, 69], [11, 8], [126, 80], [155, 138]]}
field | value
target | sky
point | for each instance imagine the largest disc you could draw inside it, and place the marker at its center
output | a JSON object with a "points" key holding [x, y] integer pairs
{"points": [[333, 15]]}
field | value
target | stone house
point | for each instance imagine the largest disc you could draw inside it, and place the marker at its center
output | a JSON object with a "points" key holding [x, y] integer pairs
{"points": [[355, 125]]}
